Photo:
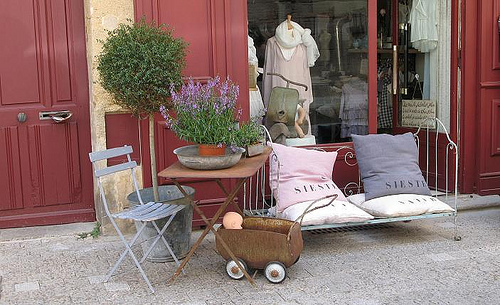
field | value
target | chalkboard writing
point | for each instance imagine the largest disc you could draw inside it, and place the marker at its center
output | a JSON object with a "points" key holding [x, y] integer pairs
{"points": [[414, 113]]}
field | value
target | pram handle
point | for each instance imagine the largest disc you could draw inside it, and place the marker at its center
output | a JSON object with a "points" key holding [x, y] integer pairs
{"points": [[288, 82], [308, 209]]}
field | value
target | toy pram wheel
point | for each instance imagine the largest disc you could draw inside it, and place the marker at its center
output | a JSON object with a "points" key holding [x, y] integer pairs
{"points": [[233, 271], [275, 272]]}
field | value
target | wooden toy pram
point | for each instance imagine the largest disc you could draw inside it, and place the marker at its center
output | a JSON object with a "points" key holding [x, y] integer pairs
{"points": [[267, 243]]}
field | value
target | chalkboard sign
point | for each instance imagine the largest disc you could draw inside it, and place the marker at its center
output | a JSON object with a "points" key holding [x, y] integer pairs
{"points": [[414, 112]]}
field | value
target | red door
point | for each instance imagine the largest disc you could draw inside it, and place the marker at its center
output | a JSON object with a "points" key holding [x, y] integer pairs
{"points": [[216, 31], [488, 102], [45, 174]]}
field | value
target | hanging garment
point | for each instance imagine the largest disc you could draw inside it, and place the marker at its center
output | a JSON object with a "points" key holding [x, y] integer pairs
{"points": [[289, 39], [354, 108], [252, 53], [295, 69], [424, 25], [384, 97], [256, 103]]}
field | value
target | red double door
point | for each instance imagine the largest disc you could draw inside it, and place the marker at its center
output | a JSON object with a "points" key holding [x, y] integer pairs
{"points": [[45, 175]]}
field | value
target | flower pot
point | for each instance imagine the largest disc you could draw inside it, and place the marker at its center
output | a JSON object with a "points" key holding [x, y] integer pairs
{"points": [[255, 149], [211, 150], [178, 233], [190, 158]]}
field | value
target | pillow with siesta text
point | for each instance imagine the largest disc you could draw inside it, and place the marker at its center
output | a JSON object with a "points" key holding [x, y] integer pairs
{"points": [[299, 174], [389, 165]]}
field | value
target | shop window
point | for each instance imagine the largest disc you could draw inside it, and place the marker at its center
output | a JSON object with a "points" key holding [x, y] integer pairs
{"points": [[413, 62], [413, 65], [332, 62]]}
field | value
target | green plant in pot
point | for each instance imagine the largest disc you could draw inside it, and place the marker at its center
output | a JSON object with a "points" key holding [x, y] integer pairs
{"points": [[138, 63], [204, 113], [251, 136], [207, 114]]}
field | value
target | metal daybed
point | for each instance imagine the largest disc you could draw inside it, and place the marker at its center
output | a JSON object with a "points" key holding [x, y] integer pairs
{"points": [[258, 199]]}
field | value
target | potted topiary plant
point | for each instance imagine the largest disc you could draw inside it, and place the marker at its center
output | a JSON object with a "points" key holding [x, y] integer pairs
{"points": [[138, 64]]}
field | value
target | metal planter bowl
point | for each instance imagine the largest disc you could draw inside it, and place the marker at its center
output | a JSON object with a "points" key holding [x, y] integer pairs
{"points": [[188, 156]]}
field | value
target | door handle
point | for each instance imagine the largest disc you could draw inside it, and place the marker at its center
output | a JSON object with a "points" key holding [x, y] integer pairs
{"points": [[498, 22], [61, 117], [56, 116], [394, 69]]}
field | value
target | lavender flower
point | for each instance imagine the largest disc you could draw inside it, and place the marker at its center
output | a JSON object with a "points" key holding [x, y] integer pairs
{"points": [[206, 113]]}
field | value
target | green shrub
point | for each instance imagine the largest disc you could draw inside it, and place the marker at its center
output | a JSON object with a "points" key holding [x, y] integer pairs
{"points": [[138, 63]]}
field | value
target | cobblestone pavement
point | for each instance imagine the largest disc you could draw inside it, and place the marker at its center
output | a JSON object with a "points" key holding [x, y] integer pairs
{"points": [[404, 263]]}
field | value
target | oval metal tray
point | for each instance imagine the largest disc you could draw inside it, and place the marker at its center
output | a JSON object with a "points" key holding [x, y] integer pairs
{"points": [[188, 156]]}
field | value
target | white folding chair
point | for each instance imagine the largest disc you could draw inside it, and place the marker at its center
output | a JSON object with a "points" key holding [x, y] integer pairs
{"points": [[145, 212]]}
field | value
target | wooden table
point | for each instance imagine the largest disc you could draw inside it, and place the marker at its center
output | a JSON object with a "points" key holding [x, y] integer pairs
{"points": [[242, 171]]}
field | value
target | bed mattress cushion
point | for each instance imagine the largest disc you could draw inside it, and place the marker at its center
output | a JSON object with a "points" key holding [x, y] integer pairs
{"points": [[400, 205], [334, 212]]}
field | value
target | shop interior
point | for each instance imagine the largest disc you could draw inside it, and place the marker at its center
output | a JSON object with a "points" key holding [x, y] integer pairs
{"points": [[338, 106]]}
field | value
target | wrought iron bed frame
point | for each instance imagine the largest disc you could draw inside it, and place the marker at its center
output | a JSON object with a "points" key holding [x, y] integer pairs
{"points": [[257, 199]]}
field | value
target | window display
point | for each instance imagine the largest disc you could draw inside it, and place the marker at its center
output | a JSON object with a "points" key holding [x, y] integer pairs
{"points": [[323, 45], [308, 42], [290, 53]]}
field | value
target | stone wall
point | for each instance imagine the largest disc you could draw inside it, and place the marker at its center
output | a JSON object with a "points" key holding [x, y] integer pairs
{"points": [[100, 17]]}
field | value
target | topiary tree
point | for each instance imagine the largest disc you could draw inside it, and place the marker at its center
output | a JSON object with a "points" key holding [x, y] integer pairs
{"points": [[137, 65]]}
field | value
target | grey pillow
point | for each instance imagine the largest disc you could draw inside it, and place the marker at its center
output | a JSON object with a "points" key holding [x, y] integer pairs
{"points": [[389, 165]]}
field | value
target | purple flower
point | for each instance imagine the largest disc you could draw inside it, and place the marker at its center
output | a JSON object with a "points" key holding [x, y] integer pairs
{"points": [[204, 113]]}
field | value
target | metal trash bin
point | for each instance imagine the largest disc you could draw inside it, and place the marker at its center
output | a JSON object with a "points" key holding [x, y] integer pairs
{"points": [[178, 233]]}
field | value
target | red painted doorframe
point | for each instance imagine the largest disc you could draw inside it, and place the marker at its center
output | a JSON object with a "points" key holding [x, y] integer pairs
{"points": [[372, 66], [469, 64]]}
